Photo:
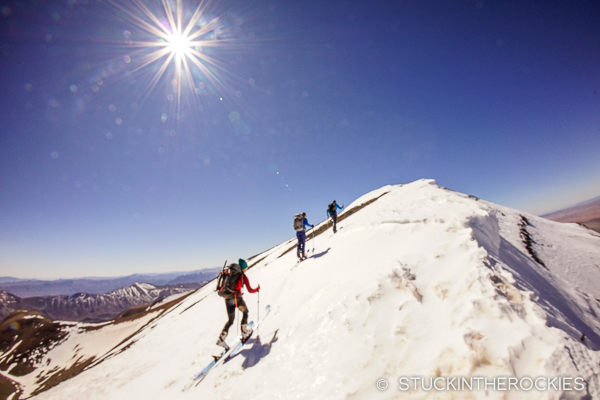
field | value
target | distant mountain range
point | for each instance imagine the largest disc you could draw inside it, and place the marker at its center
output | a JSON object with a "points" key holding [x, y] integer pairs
{"points": [[586, 213], [25, 288], [86, 307]]}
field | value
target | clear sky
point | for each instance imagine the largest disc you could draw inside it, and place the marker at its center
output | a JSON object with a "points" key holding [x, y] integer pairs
{"points": [[130, 145]]}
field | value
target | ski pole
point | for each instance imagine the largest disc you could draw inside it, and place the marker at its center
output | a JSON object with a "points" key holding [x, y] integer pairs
{"points": [[258, 312], [314, 234]]}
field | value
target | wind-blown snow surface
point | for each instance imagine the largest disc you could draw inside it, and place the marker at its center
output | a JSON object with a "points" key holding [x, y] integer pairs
{"points": [[423, 282]]}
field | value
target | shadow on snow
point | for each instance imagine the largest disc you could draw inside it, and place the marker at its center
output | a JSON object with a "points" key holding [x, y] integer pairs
{"points": [[258, 351], [321, 254]]}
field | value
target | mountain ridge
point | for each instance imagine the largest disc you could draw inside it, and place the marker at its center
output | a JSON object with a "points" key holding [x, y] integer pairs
{"points": [[586, 213], [25, 288], [422, 282], [86, 307]]}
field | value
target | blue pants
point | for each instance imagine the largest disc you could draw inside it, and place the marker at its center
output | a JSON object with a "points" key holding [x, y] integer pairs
{"points": [[301, 235]]}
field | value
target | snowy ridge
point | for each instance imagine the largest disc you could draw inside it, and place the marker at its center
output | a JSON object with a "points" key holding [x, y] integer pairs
{"points": [[144, 291], [8, 302], [423, 282]]}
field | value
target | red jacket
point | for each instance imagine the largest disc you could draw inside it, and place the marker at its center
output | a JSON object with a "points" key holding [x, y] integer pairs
{"points": [[244, 281]]}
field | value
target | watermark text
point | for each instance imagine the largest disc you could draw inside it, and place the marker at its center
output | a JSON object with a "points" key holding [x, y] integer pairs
{"points": [[480, 383]]}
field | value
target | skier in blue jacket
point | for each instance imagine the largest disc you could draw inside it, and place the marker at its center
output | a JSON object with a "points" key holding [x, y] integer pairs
{"points": [[300, 223], [332, 213]]}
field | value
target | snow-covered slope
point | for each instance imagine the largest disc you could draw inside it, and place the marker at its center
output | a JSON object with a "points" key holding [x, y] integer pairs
{"points": [[423, 282]]}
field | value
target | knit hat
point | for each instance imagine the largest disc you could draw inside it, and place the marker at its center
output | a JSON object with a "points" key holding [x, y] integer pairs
{"points": [[243, 264]]}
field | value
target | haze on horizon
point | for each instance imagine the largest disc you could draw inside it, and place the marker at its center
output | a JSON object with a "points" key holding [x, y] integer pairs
{"points": [[128, 149]]}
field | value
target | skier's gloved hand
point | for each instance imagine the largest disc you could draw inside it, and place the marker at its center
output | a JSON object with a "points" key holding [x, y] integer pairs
{"points": [[312, 226], [258, 288]]}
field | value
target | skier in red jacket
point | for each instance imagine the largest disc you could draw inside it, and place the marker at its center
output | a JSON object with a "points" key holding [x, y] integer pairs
{"points": [[237, 301]]}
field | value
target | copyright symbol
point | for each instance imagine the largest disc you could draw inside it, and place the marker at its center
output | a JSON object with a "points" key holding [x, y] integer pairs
{"points": [[382, 384]]}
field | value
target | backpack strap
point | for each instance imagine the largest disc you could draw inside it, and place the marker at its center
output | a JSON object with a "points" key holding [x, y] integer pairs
{"points": [[235, 292]]}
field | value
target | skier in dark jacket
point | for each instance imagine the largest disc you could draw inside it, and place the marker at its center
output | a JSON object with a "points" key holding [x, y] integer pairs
{"points": [[332, 213], [237, 301], [301, 236]]}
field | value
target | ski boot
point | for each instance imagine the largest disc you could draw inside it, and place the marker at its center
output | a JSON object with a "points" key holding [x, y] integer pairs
{"points": [[246, 332], [221, 342]]}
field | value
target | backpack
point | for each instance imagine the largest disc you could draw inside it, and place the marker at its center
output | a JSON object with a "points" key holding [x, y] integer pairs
{"points": [[227, 280], [298, 222], [331, 209]]}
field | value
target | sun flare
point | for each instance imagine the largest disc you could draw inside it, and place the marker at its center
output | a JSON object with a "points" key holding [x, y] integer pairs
{"points": [[172, 41]]}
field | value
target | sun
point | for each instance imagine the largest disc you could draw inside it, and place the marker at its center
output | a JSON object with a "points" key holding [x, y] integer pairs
{"points": [[173, 40], [180, 45]]}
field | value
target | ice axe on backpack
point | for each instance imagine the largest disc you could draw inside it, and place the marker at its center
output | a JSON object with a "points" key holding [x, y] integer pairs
{"points": [[219, 282], [224, 265]]}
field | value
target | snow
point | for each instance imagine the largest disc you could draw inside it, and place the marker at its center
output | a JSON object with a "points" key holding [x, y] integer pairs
{"points": [[168, 300], [9, 352], [423, 282], [80, 345]]}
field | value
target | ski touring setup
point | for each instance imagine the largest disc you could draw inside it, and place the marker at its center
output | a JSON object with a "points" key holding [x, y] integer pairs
{"points": [[237, 346], [203, 373]]}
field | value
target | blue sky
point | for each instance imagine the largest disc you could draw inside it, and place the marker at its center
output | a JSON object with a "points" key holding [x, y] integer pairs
{"points": [[296, 104]]}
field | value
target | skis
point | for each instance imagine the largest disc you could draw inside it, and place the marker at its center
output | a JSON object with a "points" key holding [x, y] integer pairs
{"points": [[298, 262], [203, 373], [237, 346]]}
